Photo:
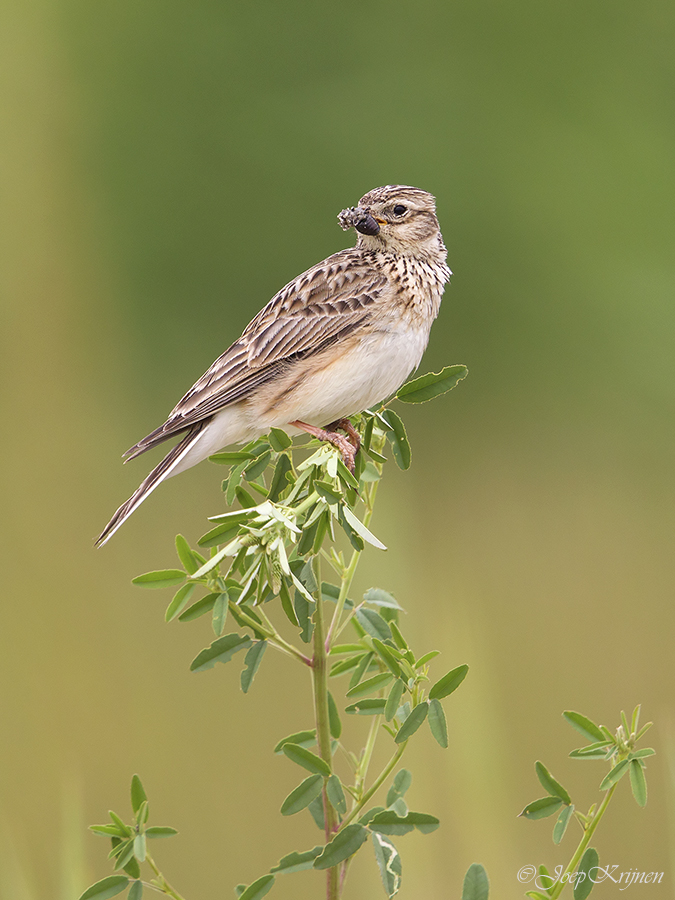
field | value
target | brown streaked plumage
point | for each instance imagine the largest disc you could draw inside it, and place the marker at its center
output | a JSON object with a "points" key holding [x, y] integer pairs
{"points": [[343, 335]]}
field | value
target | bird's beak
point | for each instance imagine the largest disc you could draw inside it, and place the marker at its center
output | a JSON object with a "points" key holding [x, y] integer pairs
{"points": [[367, 224], [359, 218]]}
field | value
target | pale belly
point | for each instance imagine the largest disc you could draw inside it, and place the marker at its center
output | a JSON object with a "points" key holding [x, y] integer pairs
{"points": [[363, 374], [318, 390]]}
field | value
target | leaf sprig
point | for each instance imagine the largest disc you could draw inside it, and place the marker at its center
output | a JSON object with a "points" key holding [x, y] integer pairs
{"points": [[277, 567], [619, 749]]}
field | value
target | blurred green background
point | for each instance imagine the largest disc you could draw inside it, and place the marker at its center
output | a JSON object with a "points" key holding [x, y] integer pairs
{"points": [[166, 167]]}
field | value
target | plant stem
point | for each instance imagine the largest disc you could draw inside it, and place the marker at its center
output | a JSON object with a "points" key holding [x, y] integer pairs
{"points": [[320, 685], [281, 644], [379, 781], [362, 770], [585, 841], [164, 885], [271, 634], [348, 575]]}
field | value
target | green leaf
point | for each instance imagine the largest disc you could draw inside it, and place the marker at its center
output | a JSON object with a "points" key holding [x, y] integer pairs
{"points": [[387, 656], [640, 754], [304, 611], [476, 885], [132, 868], [389, 864], [346, 665], [334, 717], [279, 481], [549, 783], [302, 796], [125, 854], [315, 809], [135, 891], [437, 723], [244, 498], [399, 439], [231, 458], [107, 887], [638, 782], [185, 555], [142, 813], [301, 738], [584, 726], [399, 640], [221, 534], [108, 830], [161, 579], [413, 722], [124, 829], [139, 847], [336, 795], [540, 809], [200, 608], [423, 660], [399, 786], [561, 824], [394, 699], [279, 440], [389, 822], [305, 758], [373, 624], [370, 473], [370, 685], [287, 604], [258, 889], [584, 881], [219, 614], [431, 385], [160, 831], [615, 774], [370, 814], [328, 491], [252, 662], [257, 467], [297, 862], [233, 482], [354, 539], [448, 683], [591, 752], [138, 794], [345, 475], [180, 601], [361, 529], [367, 707], [378, 597], [221, 650], [361, 667], [344, 844]]}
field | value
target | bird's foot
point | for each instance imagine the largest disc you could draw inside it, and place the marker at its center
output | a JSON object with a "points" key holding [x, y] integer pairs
{"points": [[351, 432], [347, 449]]}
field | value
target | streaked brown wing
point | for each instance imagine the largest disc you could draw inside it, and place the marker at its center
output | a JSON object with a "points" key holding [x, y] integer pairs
{"points": [[318, 308]]}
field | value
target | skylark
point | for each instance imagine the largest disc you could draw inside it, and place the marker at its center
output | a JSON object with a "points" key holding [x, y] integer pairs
{"points": [[342, 336]]}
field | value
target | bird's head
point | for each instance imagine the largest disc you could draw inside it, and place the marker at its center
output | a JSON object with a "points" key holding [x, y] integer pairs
{"points": [[396, 218]]}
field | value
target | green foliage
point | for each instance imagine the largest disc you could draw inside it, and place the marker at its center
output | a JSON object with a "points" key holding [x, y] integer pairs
{"points": [[476, 885], [619, 750], [301, 515], [129, 850]]}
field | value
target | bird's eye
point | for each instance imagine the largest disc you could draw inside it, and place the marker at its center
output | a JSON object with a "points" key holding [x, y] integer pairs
{"points": [[399, 209]]}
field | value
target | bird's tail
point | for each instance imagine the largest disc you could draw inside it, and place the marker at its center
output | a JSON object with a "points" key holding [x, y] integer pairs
{"points": [[158, 474]]}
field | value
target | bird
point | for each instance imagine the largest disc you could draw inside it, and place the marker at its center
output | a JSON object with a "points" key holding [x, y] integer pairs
{"points": [[339, 338]]}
